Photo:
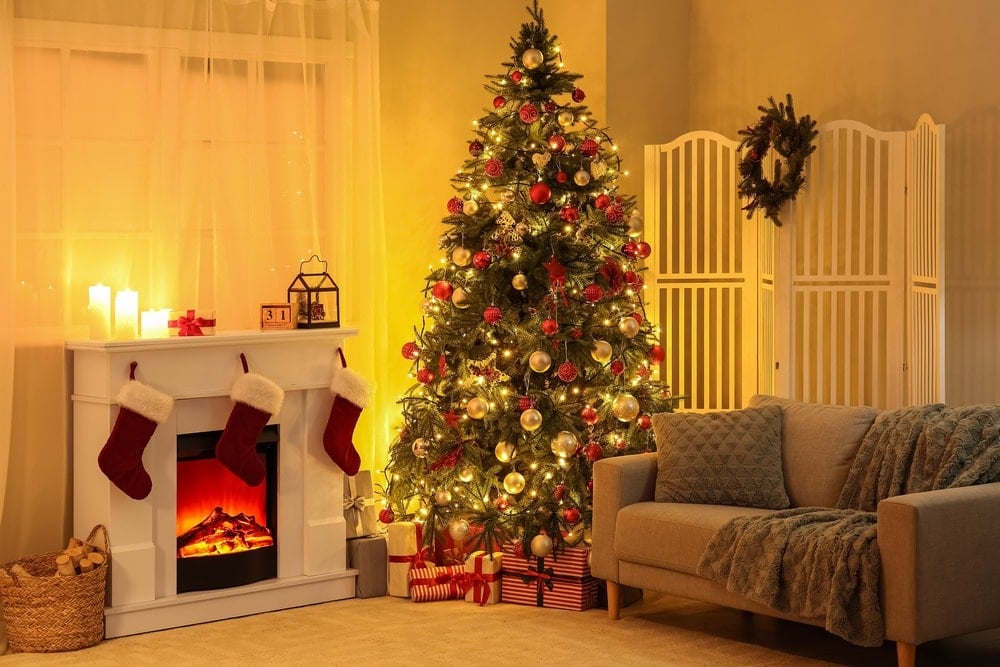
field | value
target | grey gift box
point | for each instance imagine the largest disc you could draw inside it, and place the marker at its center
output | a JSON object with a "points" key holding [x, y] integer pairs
{"points": [[370, 557]]}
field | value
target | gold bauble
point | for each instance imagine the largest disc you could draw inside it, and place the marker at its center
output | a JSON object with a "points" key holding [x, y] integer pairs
{"points": [[601, 351], [513, 483], [531, 420], [564, 444], [540, 361], [635, 224], [519, 281], [505, 451], [461, 256], [419, 448], [460, 298], [629, 326], [470, 207], [426, 305], [532, 58], [581, 178], [442, 497], [574, 536], [467, 473], [477, 407], [541, 546], [565, 118], [458, 529], [625, 407]]}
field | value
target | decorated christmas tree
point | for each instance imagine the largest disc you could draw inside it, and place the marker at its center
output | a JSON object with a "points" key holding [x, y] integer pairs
{"points": [[533, 358]]}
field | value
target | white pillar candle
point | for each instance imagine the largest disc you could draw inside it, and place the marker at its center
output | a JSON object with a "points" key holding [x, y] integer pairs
{"points": [[99, 311], [126, 314], [154, 323]]}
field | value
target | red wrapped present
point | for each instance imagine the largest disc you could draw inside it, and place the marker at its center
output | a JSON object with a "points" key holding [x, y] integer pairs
{"points": [[405, 553], [483, 569], [566, 562], [446, 582], [544, 589], [191, 323], [451, 551]]}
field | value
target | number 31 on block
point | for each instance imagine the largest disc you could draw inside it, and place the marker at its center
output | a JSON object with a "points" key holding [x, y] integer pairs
{"points": [[276, 316]]}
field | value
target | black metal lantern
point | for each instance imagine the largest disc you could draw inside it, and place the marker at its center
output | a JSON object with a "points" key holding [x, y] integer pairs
{"points": [[314, 296]]}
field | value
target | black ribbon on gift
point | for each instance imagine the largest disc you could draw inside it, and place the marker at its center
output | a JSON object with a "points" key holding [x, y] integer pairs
{"points": [[542, 576]]}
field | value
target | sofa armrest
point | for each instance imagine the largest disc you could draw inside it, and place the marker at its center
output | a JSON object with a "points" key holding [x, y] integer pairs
{"points": [[618, 481], [940, 571]]}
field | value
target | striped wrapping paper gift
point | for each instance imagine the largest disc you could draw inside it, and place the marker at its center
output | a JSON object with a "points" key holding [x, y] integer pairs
{"points": [[447, 582], [566, 562], [573, 593]]}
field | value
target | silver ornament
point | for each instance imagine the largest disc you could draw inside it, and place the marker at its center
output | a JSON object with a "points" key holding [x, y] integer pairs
{"points": [[541, 546], [635, 224], [458, 529], [601, 351], [629, 326], [581, 178], [532, 58], [625, 407], [419, 448], [565, 118], [564, 444], [461, 256], [442, 497], [460, 298], [470, 207], [467, 474]]}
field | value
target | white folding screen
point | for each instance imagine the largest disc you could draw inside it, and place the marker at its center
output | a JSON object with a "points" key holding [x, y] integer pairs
{"points": [[840, 305]]}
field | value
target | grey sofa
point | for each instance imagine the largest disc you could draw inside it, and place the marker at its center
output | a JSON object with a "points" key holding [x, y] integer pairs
{"points": [[940, 572]]}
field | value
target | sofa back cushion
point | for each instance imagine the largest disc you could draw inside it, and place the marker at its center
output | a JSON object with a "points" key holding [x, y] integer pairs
{"points": [[720, 458], [819, 444]]}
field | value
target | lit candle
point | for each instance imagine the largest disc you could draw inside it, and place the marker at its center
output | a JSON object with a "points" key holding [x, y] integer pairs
{"points": [[126, 314], [99, 311], [154, 323]]}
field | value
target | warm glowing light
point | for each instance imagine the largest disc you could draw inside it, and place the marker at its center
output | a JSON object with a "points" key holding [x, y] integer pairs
{"points": [[99, 311], [153, 323], [126, 314]]}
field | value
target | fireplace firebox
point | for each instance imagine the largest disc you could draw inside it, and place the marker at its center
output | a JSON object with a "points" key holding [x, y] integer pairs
{"points": [[226, 530]]}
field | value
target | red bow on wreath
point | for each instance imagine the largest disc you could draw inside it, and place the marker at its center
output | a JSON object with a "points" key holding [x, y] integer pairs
{"points": [[189, 325]]}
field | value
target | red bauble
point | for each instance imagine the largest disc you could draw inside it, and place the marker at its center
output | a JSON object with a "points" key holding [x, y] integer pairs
{"points": [[644, 422], [410, 351], [455, 205], [482, 260], [476, 148], [550, 106], [442, 290], [657, 354], [634, 280], [516, 76], [557, 143], [569, 213], [550, 327], [621, 444], [502, 504], [540, 193], [614, 213], [561, 176], [528, 113], [589, 148], [567, 371], [499, 101], [593, 451], [576, 334], [578, 95], [559, 491], [637, 317], [571, 515], [589, 415], [617, 367], [425, 376], [590, 485], [644, 250], [492, 315], [525, 403], [601, 202], [643, 371], [593, 293], [387, 516], [630, 250], [493, 167]]}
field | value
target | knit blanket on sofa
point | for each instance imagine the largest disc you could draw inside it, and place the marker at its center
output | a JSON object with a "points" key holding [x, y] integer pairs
{"points": [[822, 563]]}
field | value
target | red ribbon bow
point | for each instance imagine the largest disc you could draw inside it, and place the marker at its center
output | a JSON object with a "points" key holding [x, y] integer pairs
{"points": [[415, 560], [480, 584], [189, 325], [459, 582], [542, 578]]}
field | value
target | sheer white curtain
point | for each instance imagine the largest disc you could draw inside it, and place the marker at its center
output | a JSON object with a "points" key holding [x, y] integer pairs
{"points": [[195, 151]]}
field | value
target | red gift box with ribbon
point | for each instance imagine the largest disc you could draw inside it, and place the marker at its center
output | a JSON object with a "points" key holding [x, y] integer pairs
{"points": [[433, 582], [483, 569], [561, 580], [191, 323]]}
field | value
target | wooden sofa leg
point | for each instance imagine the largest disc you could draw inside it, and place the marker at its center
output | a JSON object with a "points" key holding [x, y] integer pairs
{"points": [[614, 600], [906, 654]]}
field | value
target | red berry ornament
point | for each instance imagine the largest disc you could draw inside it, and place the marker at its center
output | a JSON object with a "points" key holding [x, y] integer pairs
{"points": [[644, 249], [387, 516], [594, 452], [567, 371], [550, 106], [550, 327], [502, 505], [482, 260], [644, 422], [569, 213], [630, 250], [442, 290], [657, 354], [617, 367], [588, 148], [571, 515], [410, 351], [593, 293], [516, 76], [540, 193], [559, 491], [621, 444], [601, 202], [557, 143], [589, 415], [499, 101], [476, 148], [562, 176], [525, 403], [579, 95], [455, 205], [492, 315], [425, 376]]}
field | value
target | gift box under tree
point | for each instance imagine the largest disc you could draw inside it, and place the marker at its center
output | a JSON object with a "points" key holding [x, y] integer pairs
{"points": [[484, 571], [359, 505], [560, 580], [438, 582], [405, 553], [367, 555]]}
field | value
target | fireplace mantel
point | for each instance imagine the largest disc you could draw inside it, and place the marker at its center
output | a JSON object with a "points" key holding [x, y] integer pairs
{"points": [[199, 371]]}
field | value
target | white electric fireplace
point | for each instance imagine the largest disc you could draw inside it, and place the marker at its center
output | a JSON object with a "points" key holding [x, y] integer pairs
{"points": [[199, 371]]}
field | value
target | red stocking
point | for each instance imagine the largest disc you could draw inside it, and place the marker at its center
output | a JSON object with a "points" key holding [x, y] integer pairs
{"points": [[257, 398], [141, 409], [351, 394]]}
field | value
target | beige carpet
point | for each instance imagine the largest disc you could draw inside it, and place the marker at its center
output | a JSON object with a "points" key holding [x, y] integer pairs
{"points": [[660, 630]]}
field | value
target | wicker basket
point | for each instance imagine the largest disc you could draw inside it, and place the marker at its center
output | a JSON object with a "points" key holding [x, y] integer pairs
{"points": [[47, 612]]}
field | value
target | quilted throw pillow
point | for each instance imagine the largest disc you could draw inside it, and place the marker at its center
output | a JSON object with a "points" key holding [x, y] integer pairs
{"points": [[721, 458]]}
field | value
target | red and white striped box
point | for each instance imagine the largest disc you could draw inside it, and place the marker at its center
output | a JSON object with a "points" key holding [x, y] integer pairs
{"points": [[566, 562], [572, 593], [446, 582]]}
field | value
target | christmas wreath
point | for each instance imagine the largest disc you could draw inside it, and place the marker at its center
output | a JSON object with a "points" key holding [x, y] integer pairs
{"points": [[792, 139]]}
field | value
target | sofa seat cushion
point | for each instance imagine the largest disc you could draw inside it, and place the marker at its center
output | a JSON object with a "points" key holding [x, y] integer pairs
{"points": [[671, 535], [818, 446]]}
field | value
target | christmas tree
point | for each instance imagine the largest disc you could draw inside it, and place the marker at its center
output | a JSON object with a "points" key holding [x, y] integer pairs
{"points": [[533, 358]]}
